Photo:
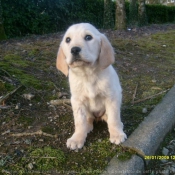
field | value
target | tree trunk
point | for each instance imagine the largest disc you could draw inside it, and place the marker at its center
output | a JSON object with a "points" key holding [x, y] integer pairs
{"points": [[133, 13], [142, 13], [120, 22], [108, 18], [2, 32]]}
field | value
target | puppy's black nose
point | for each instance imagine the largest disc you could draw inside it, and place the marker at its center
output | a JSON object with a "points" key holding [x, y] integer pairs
{"points": [[75, 50]]}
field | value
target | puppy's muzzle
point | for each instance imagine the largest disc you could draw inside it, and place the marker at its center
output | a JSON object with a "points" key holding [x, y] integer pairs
{"points": [[77, 59], [75, 51]]}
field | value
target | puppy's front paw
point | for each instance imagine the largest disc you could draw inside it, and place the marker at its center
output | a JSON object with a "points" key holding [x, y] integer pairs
{"points": [[75, 142], [118, 137]]}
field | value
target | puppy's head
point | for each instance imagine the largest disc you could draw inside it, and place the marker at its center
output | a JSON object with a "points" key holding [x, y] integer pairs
{"points": [[83, 45]]}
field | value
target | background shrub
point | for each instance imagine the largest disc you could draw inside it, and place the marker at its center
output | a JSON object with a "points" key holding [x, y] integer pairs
{"points": [[171, 14], [160, 14], [156, 13], [22, 17]]}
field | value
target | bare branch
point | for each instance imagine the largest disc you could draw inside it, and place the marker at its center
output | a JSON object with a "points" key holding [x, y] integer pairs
{"points": [[9, 94], [33, 133], [150, 97]]}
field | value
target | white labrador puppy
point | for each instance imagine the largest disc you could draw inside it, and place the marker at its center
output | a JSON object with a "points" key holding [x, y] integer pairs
{"points": [[86, 55]]}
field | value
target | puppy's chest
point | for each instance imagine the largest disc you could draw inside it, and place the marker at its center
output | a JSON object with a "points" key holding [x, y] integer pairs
{"points": [[93, 97]]}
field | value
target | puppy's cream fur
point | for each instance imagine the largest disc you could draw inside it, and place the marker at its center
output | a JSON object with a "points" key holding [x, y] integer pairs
{"points": [[94, 84]]}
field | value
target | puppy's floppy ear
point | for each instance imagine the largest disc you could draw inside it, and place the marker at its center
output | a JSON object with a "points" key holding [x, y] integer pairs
{"points": [[106, 56], [61, 62]]}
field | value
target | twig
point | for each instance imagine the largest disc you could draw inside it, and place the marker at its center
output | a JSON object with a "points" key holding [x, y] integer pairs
{"points": [[61, 94], [9, 94], [147, 98], [36, 157], [134, 95], [54, 109], [61, 102], [172, 141], [68, 106], [56, 87], [33, 133]]}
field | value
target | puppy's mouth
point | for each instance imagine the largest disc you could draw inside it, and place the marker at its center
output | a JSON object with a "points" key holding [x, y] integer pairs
{"points": [[78, 62]]}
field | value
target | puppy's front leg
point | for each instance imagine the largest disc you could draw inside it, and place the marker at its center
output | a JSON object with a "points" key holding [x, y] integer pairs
{"points": [[81, 126], [115, 125]]}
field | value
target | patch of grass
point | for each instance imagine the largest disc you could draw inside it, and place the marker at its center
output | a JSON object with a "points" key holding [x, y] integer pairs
{"points": [[133, 115], [148, 62]]}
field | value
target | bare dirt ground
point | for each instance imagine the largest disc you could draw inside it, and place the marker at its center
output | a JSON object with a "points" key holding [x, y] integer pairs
{"points": [[33, 132]]}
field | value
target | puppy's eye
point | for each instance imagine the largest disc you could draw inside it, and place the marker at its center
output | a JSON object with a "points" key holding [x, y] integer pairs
{"points": [[68, 40], [88, 37]]}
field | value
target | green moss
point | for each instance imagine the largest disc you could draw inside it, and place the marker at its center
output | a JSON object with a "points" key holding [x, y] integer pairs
{"points": [[16, 66], [12, 57], [48, 129], [29, 81], [15, 60], [33, 52], [42, 160], [9, 87], [47, 158], [101, 147], [24, 78], [96, 157], [125, 155], [26, 121]]}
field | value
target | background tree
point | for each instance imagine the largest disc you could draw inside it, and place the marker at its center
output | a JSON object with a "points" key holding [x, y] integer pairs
{"points": [[120, 18], [133, 13], [142, 13], [108, 17], [2, 32]]}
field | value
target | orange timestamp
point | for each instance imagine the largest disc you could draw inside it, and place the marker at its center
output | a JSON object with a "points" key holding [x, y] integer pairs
{"points": [[171, 157]]}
